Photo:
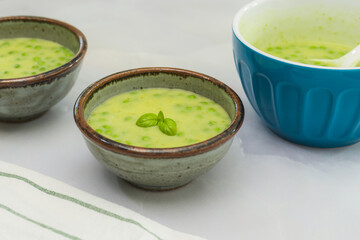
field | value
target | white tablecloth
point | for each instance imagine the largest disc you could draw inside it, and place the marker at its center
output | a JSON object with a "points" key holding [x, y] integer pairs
{"points": [[33, 206]]}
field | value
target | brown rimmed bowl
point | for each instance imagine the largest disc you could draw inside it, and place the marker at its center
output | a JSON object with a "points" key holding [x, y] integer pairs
{"points": [[26, 98], [158, 168]]}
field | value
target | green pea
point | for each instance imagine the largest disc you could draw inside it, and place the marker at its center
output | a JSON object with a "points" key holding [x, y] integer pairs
{"points": [[99, 130], [191, 96], [37, 47], [108, 131], [145, 138], [127, 118], [180, 134], [106, 126], [17, 66], [211, 110], [211, 123]]}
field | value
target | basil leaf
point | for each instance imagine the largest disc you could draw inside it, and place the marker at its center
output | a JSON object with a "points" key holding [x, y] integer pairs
{"points": [[147, 120], [168, 127], [160, 116]]}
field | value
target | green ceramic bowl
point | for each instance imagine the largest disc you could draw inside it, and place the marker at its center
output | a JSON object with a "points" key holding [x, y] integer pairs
{"points": [[26, 98], [158, 168]]}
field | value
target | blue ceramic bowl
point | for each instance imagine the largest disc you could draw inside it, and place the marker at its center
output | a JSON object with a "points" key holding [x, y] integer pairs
{"points": [[310, 105]]}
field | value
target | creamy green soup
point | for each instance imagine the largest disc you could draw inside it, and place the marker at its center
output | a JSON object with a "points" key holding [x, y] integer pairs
{"points": [[197, 118], [21, 57], [302, 30], [305, 51]]}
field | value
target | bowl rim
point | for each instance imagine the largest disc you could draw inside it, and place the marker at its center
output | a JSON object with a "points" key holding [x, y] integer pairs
{"points": [[240, 37], [162, 153], [49, 75]]}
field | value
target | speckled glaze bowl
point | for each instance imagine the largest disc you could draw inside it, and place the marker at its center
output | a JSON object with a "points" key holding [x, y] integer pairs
{"points": [[306, 104], [158, 168], [26, 98]]}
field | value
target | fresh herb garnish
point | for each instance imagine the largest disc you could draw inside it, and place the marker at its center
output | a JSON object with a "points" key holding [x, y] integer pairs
{"points": [[166, 125], [147, 120], [160, 116]]}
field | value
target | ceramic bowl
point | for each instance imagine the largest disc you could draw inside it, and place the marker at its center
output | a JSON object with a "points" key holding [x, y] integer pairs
{"points": [[158, 168], [310, 105], [26, 98]]}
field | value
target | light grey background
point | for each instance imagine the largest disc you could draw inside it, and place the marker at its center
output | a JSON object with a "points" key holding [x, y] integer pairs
{"points": [[265, 187]]}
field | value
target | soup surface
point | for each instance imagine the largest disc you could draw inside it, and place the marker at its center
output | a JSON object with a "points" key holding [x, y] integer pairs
{"points": [[305, 51], [21, 57], [303, 30], [197, 118]]}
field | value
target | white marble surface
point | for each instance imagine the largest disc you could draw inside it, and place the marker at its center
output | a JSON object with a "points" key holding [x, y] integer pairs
{"points": [[265, 187]]}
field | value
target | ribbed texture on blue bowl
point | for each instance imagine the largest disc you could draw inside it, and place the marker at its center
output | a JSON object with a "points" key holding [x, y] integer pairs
{"points": [[313, 106]]}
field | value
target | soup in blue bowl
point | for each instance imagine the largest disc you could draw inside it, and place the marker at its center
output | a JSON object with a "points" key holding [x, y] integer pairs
{"points": [[274, 42]]}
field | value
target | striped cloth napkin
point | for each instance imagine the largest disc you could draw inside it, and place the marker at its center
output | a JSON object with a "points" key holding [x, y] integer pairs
{"points": [[33, 206]]}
